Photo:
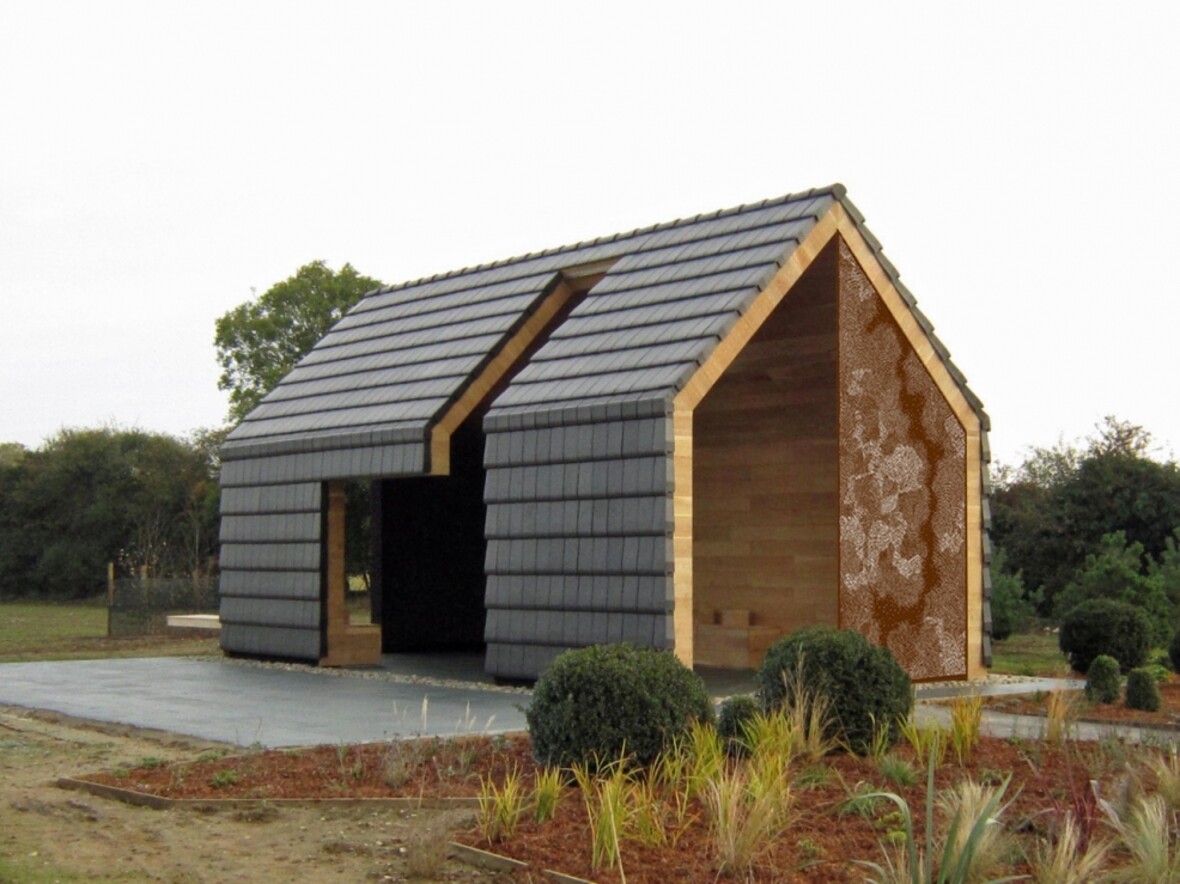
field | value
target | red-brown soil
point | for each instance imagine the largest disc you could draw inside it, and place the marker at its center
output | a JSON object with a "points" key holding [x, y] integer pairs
{"points": [[1168, 715], [818, 844]]}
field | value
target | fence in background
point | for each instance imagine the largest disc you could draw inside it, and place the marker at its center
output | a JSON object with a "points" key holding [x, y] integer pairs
{"points": [[140, 605]]}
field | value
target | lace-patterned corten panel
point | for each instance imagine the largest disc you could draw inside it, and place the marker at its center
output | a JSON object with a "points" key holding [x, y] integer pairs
{"points": [[902, 492]]}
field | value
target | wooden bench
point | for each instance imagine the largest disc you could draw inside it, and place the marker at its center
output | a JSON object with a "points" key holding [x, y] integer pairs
{"points": [[194, 621]]}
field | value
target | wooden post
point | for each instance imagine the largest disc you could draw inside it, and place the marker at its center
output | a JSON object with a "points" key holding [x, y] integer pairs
{"points": [[110, 594], [348, 645], [337, 608]]}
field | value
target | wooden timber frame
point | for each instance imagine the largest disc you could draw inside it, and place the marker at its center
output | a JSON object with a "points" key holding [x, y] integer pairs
{"points": [[836, 223], [347, 644]]}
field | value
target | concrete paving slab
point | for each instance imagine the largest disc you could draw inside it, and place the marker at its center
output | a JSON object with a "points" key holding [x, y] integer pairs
{"points": [[275, 706]]}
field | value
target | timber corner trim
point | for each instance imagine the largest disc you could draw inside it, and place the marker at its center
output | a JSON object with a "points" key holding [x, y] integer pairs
{"points": [[550, 307]]}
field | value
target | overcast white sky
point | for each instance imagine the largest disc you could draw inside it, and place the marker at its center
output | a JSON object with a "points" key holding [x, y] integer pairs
{"points": [[160, 161]]}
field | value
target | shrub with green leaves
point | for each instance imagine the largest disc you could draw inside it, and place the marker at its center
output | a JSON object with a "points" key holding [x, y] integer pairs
{"points": [[864, 684], [1013, 609], [1142, 691], [736, 712], [1102, 681], [595, 704], [1104, 626]]}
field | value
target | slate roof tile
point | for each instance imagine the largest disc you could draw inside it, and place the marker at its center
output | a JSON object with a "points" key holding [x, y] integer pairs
{"points": [[404, 352]]}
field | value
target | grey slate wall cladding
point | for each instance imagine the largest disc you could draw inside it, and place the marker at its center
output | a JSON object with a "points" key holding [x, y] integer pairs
{"points": [[578, 481], [579, 521], [270, 566]]}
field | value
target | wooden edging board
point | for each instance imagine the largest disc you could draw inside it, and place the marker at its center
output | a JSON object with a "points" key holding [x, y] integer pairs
{"points": [[465, 853], [144, 799], [494, 862]]}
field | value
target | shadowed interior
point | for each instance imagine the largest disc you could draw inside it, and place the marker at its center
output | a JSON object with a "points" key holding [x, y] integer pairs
{"points": [[428, 580]]}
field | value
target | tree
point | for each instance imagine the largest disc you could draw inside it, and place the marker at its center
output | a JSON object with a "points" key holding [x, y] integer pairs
{"points": [[89, 497], [11, 454], [1167, 571], [1012, 609], [1053, 511], [259, 341], [1116, 572]]}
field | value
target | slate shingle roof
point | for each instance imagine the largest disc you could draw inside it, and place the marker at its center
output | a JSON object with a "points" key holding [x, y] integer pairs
{"points": [[389, 369]]}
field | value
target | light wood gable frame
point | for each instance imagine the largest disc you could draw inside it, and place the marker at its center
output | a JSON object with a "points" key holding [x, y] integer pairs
{"points": [[483, 386], [836, 222], [346, 644], [570, 284]]}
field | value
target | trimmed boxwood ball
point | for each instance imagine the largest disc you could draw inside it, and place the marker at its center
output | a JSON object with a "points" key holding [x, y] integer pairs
{"points": [[593, 704], [864, 683], [731, 721], [1142, 691], [1102, 681], [1105, 626]]}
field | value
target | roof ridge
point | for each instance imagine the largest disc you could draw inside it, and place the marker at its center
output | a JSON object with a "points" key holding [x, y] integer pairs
{"points": [[836, 191]]}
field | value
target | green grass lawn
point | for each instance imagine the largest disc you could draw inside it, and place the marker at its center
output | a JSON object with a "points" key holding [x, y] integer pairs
{"points": [[1029, 653], [49, 631]]}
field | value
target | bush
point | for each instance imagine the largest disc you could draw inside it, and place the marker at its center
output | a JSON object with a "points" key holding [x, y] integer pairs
{"points": [[1102, 681], [1104, 626], [731, 721], [595, 703], [1158, 672], [1142, 691], [1174, 651], [1011, 610], [864, 684]]}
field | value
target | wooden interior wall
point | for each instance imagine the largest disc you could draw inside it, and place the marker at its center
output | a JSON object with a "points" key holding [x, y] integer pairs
{"points": [[765, 481]]}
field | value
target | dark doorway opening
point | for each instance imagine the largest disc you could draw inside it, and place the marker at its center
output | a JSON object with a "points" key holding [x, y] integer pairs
{"points": [[428, 553]]}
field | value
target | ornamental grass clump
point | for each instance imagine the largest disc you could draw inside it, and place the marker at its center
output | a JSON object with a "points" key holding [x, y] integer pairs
{"points": [[966, 722], [1165, 768], [1103, 683], [929, 741], [862, 685], [502, 807], [605, 790], [1061, 713], [746, 809], [547, 788], [971, 847], [1066, 859], [595, 703], [1146, 834]]}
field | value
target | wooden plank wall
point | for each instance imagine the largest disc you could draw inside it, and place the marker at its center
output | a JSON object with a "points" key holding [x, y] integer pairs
{"points": [[765, 476]]}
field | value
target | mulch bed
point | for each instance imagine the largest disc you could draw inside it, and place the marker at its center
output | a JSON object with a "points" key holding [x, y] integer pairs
{"points": [[817, 845]]}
